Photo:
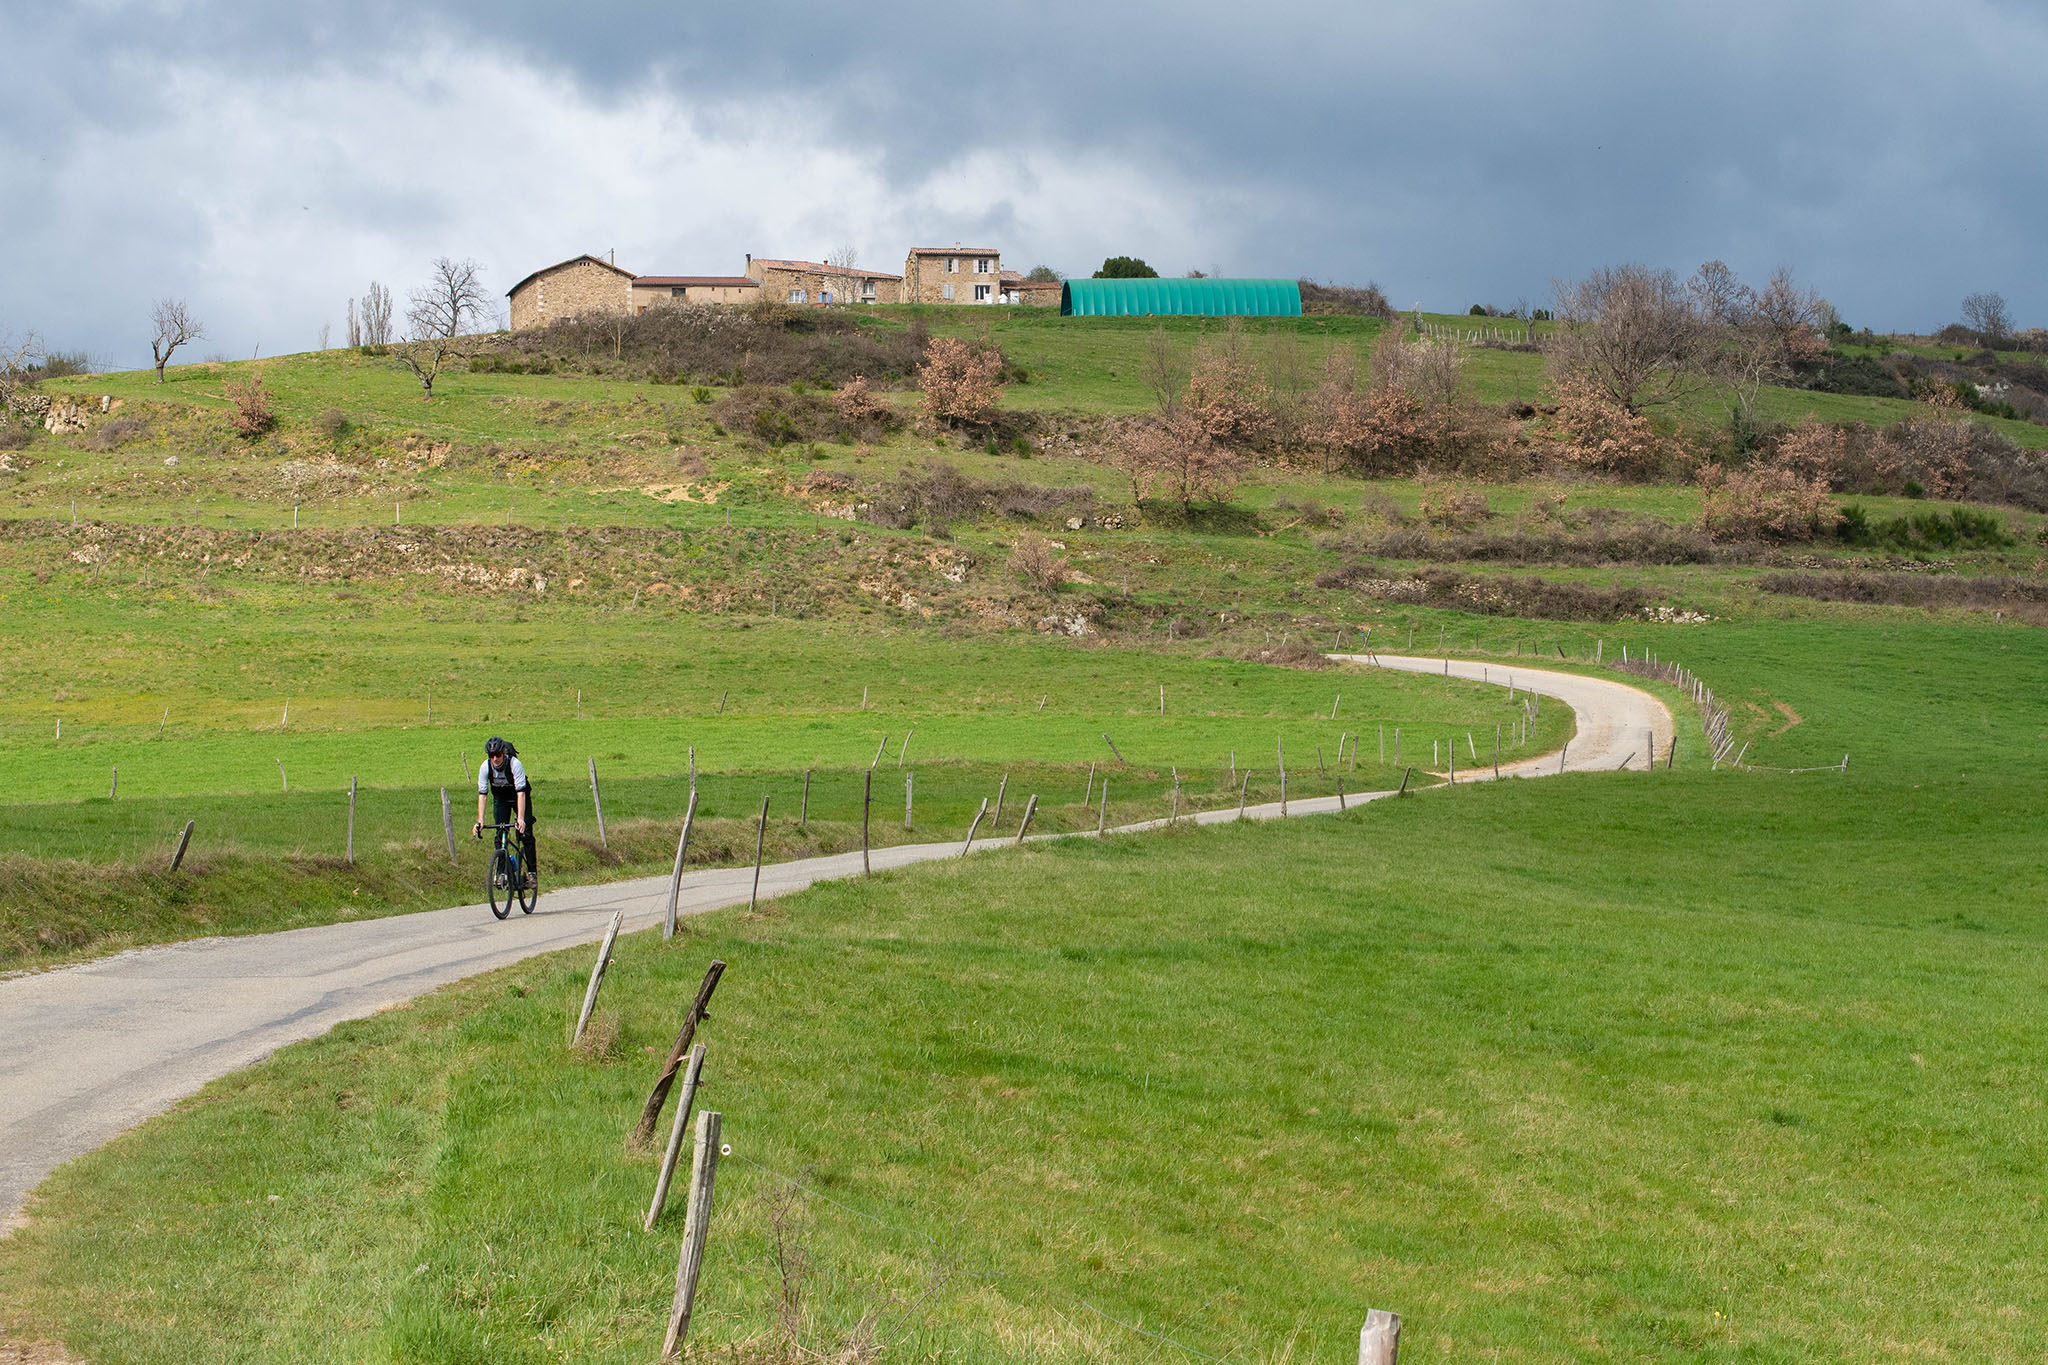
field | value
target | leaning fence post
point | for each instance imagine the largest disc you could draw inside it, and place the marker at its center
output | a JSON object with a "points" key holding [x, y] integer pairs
{"points": [[448, 824], [973, 827], [760, 840], [604, 957], [598, 802], [351, 822], [675, 880], [696, 1228], [650, 1113], [1030, 809], [1379, 1341], [1243, 787], [1102, 811], [184, 842], [675, 1137], [1004, 786]]}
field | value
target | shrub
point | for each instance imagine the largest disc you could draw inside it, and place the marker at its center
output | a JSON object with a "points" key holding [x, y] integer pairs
{"points": [[1175, 456], [1309, 512], [1368, 300], [938, 495], [1598, 433], [334, 424], [1227, 398], [860, 407], [115, 434], [961, 384], [1447, 506], [1035, 560], [252, 415], [1959, 528], [14, 435], [1769, 502], [766, 343]]}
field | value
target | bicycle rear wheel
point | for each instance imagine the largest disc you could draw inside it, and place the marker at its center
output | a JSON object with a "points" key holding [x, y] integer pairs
{"points": [[498, 884]]}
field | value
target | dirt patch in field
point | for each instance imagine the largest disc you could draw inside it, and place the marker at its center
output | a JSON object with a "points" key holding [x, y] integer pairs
{"points": [[14, 1352], [1792, 718]]}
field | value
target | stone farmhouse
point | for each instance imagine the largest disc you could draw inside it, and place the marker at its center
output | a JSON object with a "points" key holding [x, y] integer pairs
{"points": [[937, 275], [952, 274], [817, 282]]}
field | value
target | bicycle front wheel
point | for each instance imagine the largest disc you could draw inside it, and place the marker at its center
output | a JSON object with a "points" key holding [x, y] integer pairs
{"points": [[498, 884]]}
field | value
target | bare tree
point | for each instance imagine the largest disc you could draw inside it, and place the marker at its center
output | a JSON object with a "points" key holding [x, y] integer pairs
{"points": [[355, 326], [459, 295], [376, 315], [174, 326], [1758, 335], [1633, 333], [326, 334], [1986, 313], [432, 337], [842, 274], [1165, 370], [18, 358]]}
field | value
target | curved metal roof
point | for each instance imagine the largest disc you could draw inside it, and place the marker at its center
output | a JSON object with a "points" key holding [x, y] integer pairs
{"points": [[1163, 298]]}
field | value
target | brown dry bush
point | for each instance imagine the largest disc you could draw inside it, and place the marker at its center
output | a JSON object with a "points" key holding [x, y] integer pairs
{"points": [[764, 343], [1769, 502], [1415, 411], [1493, 594], [251, 402], [1038, 563], [1227, 398], [2022, 596], [1448, 506], [1174, 456], [858, 404], [961, 383], [1602, 537], [113, 435], [1368, 300], [1289, 653], [1596, 433], [937, 495]]}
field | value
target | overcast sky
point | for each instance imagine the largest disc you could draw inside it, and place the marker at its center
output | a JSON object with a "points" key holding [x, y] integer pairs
{"points": [[265, 162]]}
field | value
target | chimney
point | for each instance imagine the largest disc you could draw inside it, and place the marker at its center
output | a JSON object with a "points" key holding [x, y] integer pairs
{"points": [[750, 258]]}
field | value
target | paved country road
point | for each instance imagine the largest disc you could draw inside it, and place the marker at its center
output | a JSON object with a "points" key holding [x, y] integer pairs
{"points": [[94, 1049]]}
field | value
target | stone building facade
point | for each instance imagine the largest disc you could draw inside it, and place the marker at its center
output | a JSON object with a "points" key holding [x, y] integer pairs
{"points": [[582, 284], [661, 290], [785, 281], [1036, 293], [952, 274]]}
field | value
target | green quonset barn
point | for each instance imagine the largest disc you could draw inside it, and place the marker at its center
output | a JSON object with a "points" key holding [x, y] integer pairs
{"points": [[1180, 298]]}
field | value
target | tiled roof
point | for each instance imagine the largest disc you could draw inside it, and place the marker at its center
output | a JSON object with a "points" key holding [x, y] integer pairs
{"points": [[820, 268], [954, 251], [729, 281]]}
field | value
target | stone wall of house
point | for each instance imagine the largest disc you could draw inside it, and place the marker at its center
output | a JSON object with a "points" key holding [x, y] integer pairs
{"points": [[570, 289], [1037, 293], [925, 277], [779, 283], [664, 295]]}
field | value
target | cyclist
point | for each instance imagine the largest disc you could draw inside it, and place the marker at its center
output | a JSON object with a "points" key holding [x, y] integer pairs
{"points": [[503, 778]]}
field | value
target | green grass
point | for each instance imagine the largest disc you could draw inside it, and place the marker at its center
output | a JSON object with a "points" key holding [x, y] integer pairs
{"points": [[1689, 1068]]}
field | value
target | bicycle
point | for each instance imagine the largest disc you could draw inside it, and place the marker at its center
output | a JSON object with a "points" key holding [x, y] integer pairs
{"points": [[506, 879]]}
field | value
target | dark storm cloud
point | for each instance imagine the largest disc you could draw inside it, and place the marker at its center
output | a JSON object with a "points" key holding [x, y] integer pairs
{"points": [[1456, 152]]}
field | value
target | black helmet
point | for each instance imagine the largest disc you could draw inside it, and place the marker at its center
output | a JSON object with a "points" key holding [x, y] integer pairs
{"points": [[495, 746]]}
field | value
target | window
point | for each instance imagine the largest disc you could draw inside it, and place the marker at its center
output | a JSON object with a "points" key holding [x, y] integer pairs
{"points": [[981, 265], [678, 291], [946, 292], [797, 296], [981, 293], [952, 265]]}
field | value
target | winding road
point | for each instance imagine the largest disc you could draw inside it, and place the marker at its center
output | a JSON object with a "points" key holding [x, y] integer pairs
{"points": [[94, 1049]]}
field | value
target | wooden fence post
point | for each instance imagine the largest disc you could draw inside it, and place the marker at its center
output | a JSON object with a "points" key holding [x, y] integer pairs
{"points": [[283, 783], [973, 827], [696, 1228], [1379, 1341], [803, 815], [1118, 752], [691, 1074], [1102, 812], [448, 825], [906, 745], [867, 801], [1406, 773], [184, 842], [1088, 796], [1004, 786], [604, 956], [597, 801], [1030, 809], [908, 779], [1242, 787], [351, 822], [1561, 753], [675, 880], [878, 751], [114, 787], [1340, 794], [650, 1113], [760, 841]]}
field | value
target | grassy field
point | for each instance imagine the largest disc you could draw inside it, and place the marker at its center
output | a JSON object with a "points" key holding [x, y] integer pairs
{"points": [[1694, 1066], [1593, 1069]]}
